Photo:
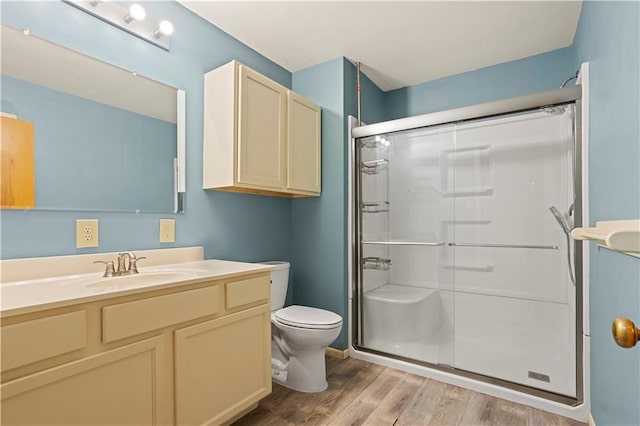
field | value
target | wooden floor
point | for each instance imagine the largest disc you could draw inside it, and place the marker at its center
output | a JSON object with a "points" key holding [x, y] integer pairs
{"points": [[361, 393]]}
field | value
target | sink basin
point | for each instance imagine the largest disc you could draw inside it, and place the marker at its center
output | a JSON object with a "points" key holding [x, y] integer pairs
{"points": [[141, 279]]}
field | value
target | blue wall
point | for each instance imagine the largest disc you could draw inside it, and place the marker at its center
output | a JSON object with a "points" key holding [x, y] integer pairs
{"points": [[318, 238], [81, 145], [311, 232], [229, 226], [521, 77], [319, 225], [608, 37]]}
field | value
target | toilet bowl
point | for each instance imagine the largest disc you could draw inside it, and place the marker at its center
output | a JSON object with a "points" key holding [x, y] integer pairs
{"points": [[299, 337]]}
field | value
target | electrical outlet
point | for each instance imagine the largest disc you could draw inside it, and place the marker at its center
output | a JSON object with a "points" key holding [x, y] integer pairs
{"points": [[167, 230], [86, 233]]}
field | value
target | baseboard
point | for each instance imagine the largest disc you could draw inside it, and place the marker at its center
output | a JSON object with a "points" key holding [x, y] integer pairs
{"points": [[337, 353], [592, 422]]}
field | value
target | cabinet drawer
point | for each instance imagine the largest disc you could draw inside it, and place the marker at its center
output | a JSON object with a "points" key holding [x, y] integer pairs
{"points": [[43, 338], [239, 293], [140, 316]]}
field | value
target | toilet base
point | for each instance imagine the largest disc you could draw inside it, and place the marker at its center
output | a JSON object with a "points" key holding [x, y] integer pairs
{"points": [[306, 372]]}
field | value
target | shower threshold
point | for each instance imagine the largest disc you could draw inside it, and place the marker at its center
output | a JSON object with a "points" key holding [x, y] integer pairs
{"points": [[548, 401]]}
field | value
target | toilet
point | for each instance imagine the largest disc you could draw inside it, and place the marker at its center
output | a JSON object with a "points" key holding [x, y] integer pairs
{"points": [[299, 337]]}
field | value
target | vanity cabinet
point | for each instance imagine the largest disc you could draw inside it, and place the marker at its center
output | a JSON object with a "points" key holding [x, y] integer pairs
{"points": [[233, 354], [193, 354], [117, 387], [259, 136]]}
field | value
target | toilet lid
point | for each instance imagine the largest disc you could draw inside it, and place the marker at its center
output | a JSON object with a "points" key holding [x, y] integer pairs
{"points": [[306, 317]]}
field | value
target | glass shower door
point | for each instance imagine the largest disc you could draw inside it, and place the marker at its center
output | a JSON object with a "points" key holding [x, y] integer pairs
{"points": [[462, 259], [406, 275], [515, 300]]}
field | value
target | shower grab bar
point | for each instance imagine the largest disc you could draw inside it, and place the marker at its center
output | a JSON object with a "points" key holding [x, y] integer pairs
{"points": [[403, 243], [505, 246]]}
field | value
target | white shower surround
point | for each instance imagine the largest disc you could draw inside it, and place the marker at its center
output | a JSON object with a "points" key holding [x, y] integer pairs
{"points": [[550, 304]]}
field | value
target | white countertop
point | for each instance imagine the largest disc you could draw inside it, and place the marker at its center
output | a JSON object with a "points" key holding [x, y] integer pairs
{"points": [[20, 297]]}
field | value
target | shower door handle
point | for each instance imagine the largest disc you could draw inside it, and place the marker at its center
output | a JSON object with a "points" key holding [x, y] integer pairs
{"points": [[405, 243], [625, 332], [516, 246]]}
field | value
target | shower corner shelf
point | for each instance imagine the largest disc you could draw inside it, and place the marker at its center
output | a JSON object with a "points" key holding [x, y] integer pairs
{"points": [[376, 263], [375, 207], [373, 142], [618, 235], [374, 167]]}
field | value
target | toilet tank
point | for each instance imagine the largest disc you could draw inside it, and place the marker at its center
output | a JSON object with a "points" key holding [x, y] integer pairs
{"points": [[279, 283]]}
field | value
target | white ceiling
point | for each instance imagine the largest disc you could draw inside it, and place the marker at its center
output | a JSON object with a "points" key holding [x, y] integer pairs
{"points": [[398, 43]]}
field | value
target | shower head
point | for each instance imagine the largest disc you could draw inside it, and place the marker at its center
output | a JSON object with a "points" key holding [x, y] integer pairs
{"points": [[561, 220]]}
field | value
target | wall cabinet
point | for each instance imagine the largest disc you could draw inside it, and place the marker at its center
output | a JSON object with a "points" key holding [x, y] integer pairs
{"points": [[259, 136], [195, 354]]}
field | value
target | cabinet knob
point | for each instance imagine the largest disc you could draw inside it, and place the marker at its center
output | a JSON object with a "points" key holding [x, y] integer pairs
{"points": [[625, 332]]}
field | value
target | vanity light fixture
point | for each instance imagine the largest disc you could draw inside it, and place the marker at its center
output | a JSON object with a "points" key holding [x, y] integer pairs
{"points": [[136, 13], [132, 19], [164, 29]]}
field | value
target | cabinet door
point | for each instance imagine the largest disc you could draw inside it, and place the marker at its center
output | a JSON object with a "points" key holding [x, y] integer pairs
{"points": [[303, 145], [222, 366], [262, 119], [17, 164], [118, 387]]}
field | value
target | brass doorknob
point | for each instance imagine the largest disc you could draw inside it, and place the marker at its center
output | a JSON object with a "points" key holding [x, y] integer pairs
{"points": [[625, 332]]}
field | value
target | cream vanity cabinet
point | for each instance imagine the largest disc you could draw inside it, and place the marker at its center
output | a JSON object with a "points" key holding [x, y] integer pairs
{"points": [[194, 354], [259, 136]]}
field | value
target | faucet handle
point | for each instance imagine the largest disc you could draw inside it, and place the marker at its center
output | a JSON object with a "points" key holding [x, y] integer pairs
{"points": [[133, 263], [109, 269]]}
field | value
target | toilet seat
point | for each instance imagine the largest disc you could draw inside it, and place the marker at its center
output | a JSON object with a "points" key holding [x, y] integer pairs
{"points": [[307, 317]]}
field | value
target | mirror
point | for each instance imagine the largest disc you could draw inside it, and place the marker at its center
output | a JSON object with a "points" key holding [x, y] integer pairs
{"points": [[98, 137]]}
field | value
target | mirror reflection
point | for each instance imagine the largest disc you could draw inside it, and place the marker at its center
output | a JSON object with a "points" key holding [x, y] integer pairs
{"points": [[81, 134]]}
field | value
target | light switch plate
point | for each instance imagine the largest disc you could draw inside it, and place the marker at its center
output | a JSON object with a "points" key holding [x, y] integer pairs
{"points": [[167, 230], [86, 233]]}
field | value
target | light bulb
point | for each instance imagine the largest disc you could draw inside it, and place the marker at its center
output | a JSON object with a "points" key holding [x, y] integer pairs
{"points": [[165, 28], [378, 138], [135, 12]]}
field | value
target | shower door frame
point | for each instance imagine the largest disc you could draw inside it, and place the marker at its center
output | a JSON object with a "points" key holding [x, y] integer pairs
{"points": [[562, 96]]}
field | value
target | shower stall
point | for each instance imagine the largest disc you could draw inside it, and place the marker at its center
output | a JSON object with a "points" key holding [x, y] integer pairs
{"points": [[461, 257]]}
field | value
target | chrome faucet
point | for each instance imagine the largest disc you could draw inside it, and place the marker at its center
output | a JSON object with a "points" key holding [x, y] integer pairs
{"points": [[127, 264]]}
